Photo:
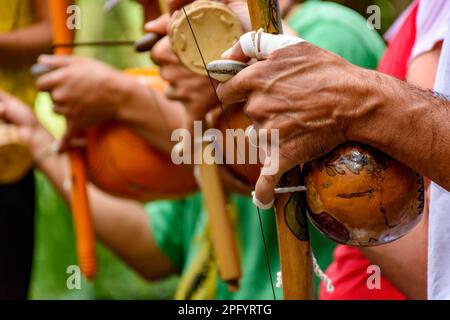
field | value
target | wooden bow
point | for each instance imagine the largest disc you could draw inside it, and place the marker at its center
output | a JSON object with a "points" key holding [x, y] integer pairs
{"points": [[292, 226]]}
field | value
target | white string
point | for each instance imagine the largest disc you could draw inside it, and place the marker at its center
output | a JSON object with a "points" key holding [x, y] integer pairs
{"points": [[319, 273], [290, 189], [267, 206], [322, 276]]}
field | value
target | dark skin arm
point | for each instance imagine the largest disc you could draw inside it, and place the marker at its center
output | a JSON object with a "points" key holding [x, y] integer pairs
{"points": [[404, 262], [318, 100], [23, 46]]}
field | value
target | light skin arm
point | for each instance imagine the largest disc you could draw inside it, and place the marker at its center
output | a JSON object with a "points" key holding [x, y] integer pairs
{"points": [[120, 224], [121, 98], [404, 261], [23, 46]]}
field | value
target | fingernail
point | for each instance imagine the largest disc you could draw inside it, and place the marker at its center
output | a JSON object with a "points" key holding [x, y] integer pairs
{"points": [[150, 25], [227, 54], [43, 58]]}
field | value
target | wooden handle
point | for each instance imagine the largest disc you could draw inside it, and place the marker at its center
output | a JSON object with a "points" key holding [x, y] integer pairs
{"points": [[84, 233], [221, 227], [293, 241], [293, 236], [82, 220]]}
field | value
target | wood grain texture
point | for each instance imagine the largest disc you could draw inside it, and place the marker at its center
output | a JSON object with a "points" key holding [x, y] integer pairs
{"points": [[293, 236]]}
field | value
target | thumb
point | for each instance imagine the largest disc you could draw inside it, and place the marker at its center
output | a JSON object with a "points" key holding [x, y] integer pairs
{"points": [[55, 61], [235, 53]]}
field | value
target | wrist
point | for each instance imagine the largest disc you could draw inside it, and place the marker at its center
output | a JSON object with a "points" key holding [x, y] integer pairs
{"points": [[374, 117], [40, 143], [120, 93]]}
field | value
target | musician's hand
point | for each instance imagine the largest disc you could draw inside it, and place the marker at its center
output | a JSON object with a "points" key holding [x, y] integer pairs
{"points": [[239, 7], [310, 95], [193, 90], [15, 112], [85, 91]]}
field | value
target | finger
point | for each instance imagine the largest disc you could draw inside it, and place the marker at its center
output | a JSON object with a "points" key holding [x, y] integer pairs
{"points": [[49, 81], [162, 53], [177, 4], [4, 95], [264, 195], [14, 111], [171, 93], [65, 111], [158, 25], [235, 53], [174, 73], [56, 61], [238, 88]]}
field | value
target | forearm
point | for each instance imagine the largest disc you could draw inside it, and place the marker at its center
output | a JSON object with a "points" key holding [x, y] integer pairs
{"points": [[404, 262], [150, 113], [23, 46], [122, 225], [406, 123]]}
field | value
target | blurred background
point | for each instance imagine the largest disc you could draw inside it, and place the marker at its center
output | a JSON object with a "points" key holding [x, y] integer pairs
{"points": [[54, 236]]}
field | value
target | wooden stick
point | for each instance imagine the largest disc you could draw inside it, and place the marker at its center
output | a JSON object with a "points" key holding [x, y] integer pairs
{"points": [[293, 236], [221, 227], [84, 231], [293, 239]]}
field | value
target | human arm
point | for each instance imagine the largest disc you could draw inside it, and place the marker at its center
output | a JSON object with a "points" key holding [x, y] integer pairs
{"points": [[88, 92], [120, 224], [318, 100], [405, 261], [24, 45]]}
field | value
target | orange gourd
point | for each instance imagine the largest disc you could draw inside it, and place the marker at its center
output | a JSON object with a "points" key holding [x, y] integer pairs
{"points": [[355, 194], [122, 163]]}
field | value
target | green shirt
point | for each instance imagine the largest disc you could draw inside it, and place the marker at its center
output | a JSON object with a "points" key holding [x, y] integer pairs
{"points": [[55, 246], [338, 29], [179, 227]]}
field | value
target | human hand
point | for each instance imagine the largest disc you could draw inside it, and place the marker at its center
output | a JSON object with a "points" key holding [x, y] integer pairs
{"points": [[85, 91], [307, 94]]}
